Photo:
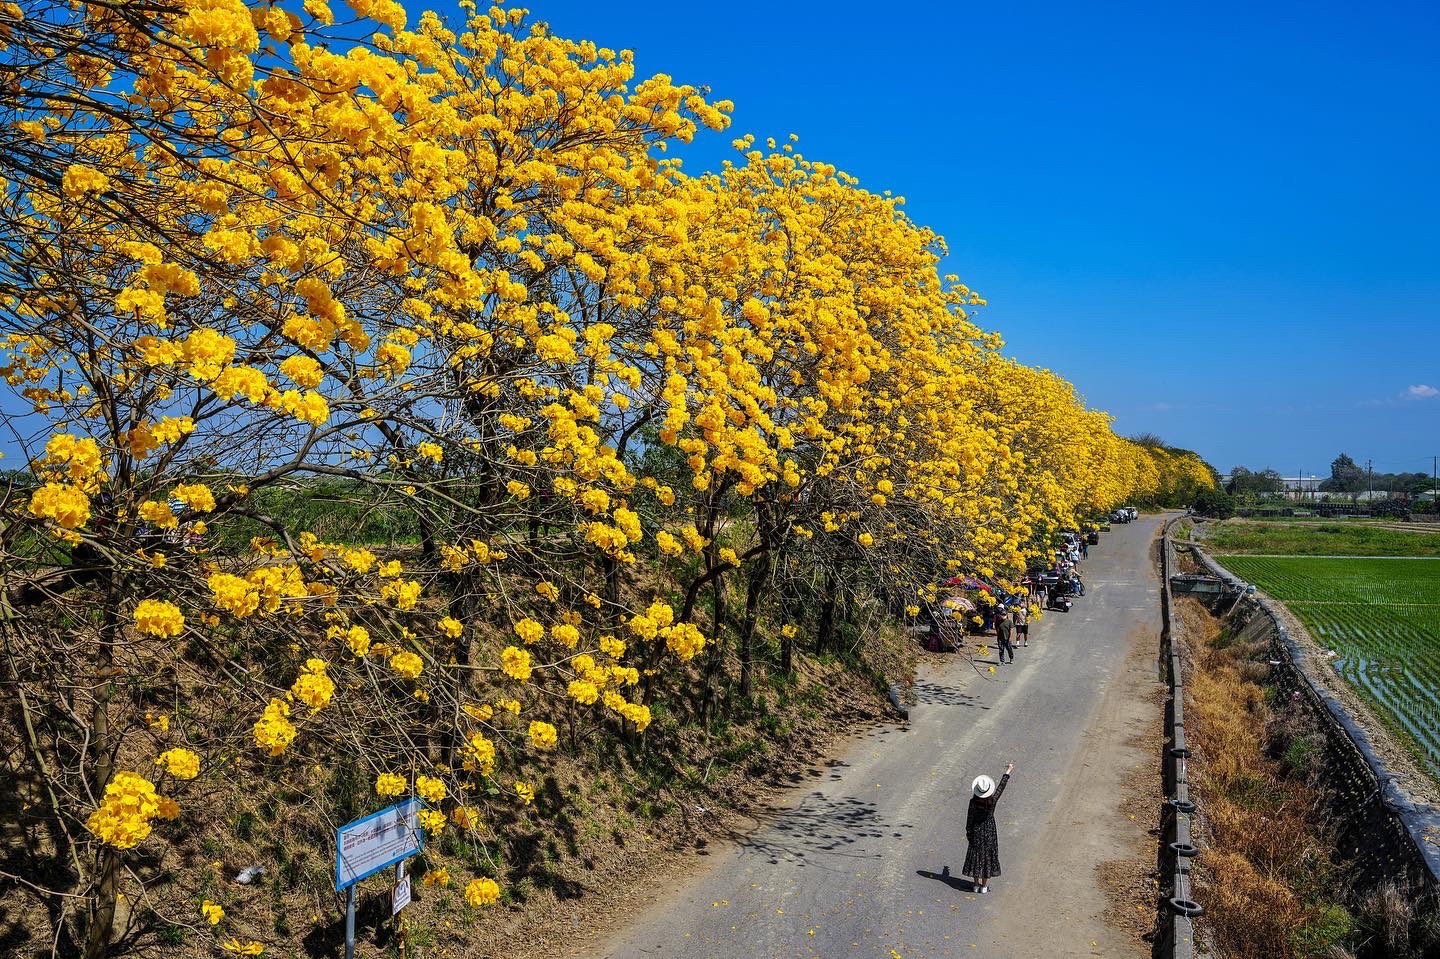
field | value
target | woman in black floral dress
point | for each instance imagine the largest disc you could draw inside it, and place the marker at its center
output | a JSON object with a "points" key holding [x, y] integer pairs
{"points": [[982, 858]]}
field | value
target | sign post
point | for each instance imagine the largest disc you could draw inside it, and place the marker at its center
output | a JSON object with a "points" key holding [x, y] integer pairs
{"points": [[366, 846], [350, 922], [401, 897]]}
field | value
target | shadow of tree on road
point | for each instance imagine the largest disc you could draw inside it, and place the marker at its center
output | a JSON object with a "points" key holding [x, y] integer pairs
{"points": [[933, 694], [820, 826]]}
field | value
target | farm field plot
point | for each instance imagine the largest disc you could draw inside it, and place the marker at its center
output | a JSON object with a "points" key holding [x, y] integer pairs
{"points": [[1328, 538], [1382, 616]]}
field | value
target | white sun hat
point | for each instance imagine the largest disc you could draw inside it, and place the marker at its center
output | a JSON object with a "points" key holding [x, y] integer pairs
{"points": [[984, 787]]}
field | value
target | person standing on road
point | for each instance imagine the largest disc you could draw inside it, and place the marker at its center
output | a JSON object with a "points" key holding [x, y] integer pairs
{"points": [[982, 858], [1021, 618], [1002, 633]]}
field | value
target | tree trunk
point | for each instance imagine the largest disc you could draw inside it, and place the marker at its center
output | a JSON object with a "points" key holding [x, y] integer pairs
{"points": [[100, 917], [711, 674], [611, 617], [826, 627], [462, 606], [759, 572], [788, 606], [101, 920]]}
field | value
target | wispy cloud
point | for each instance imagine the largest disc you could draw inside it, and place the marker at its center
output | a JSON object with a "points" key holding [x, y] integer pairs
{"points": [[1420, 391]]}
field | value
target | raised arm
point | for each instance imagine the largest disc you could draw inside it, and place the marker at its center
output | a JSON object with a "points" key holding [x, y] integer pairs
{"points": [[1000, 789]]}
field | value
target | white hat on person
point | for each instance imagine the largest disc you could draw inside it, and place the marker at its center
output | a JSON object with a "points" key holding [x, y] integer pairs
{"points": [[984, 787]]}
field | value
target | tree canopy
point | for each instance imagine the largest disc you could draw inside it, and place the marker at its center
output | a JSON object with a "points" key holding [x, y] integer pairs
{"points": [[266, 255]]}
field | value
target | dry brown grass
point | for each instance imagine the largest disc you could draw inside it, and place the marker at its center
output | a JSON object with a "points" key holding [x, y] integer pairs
{"points": [[1259, 878], [1251, 913]]}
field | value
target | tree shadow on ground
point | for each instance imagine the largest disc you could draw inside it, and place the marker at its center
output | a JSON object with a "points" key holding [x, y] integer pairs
{"points": [[819, 827], [933, 694], [372, 925]]}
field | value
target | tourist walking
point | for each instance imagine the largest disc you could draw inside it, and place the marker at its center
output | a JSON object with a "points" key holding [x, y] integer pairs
{"points": [[982, 857], [1021, 619], [1002, 633]]}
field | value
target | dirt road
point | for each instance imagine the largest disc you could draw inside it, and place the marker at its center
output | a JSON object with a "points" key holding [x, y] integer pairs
{"points": [[864, 861]]}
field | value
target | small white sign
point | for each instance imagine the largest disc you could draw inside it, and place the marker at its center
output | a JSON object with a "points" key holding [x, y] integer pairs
{"points": [[366, 846], [401, 899]]}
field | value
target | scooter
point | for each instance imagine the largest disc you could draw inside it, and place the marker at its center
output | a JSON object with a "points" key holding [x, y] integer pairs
{"points": [[1055, 597]]}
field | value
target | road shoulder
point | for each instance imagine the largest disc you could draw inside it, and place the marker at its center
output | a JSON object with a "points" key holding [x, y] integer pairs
{"points": [[1099, 842]]}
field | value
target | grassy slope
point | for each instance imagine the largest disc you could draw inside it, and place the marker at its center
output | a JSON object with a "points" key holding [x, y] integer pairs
{"points": [[1265, 879]]}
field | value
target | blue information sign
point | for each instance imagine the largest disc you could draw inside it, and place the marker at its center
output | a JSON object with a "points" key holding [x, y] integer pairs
{"points": [[366, 846]]}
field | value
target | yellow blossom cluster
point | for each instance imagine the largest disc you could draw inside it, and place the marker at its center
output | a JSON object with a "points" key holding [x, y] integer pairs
{"points": [[390, 784], [430, 788], [273, 730], [479, 753], [516, 663], [529, 631], [180, 763], [71, 459], [482, 892], [67, 506], [125, 813], [158, 617], [406, 664], [313, 686], [542, 735]]}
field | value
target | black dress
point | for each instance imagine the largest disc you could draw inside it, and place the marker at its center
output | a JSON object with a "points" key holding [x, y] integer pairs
{"points": [[983, 856]]}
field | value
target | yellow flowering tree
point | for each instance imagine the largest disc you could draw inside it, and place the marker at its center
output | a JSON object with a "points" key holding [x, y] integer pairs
{"points": [[277, 274], [243, 261]]}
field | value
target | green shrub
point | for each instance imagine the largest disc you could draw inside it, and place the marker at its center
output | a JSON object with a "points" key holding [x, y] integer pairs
{"points": [[1301, 754], [1330, 926]]}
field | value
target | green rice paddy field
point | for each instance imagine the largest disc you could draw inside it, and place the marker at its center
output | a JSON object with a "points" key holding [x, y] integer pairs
{"points": [[1382, 616]]}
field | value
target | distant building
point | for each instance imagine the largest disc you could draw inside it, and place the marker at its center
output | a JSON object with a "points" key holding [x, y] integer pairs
{"points": [[1296, 487], [1303, 487]]}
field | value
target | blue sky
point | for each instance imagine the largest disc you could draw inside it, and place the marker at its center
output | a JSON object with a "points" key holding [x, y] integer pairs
{"points": [[1218, 220]]}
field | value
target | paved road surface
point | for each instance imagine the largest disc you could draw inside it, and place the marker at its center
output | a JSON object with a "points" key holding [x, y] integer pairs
{"points": [[863, 861]]}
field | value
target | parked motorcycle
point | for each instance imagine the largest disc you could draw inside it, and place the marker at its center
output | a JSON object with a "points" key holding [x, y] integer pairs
{"points": [[1057, 595]]}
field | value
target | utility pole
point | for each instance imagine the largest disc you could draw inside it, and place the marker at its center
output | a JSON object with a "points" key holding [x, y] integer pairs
{"points": [[1369, 481], [1435, 494]]}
